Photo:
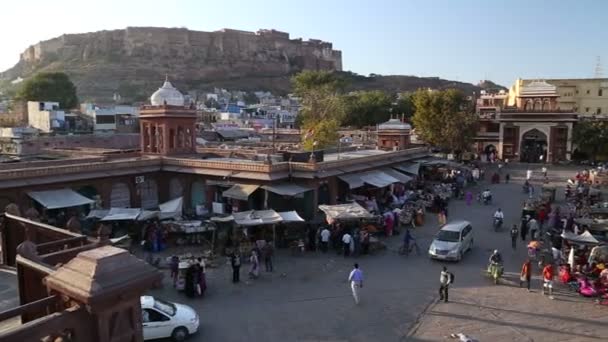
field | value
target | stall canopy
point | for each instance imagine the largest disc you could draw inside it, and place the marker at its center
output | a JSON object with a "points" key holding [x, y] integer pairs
{"points": [[240, 192], [584, 238], [171, 209], [411, 168], [122, 214], [353, 181], [62, 198], [97, 214], [147, 215], [256, 217], [403, 178], [348, 211], [375, 178], [378, 179], [290, 216], [286, 189]]}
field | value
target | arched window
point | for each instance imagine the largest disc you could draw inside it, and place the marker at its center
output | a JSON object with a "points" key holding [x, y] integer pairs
{"points": [[546, 105], [537, 105], [528, 105]]}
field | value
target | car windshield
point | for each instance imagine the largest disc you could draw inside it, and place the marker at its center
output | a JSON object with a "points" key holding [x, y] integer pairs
{"points": [[165, 307], [448, 235]]}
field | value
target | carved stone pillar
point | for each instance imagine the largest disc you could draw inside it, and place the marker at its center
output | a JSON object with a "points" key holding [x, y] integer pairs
{"points": [[108, 282]]}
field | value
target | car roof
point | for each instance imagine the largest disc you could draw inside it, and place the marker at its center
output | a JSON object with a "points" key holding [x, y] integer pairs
{"points": [[146, 301], [455, 226]]}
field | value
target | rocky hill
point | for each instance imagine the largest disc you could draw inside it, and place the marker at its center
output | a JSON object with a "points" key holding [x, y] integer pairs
{"points": [[133, 62]]}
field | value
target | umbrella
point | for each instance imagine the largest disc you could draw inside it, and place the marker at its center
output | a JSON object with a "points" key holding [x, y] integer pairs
{"points": [[534, 244]]}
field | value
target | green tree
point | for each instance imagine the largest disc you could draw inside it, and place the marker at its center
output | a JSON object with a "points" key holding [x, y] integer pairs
{"points": [[49, 86], [323, 107], [591, 137], [404, 105], [367, 108], [444, 119]]}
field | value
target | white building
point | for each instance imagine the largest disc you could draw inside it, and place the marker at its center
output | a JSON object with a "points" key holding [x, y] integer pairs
{"points": [[119, 118], [45, 116]]}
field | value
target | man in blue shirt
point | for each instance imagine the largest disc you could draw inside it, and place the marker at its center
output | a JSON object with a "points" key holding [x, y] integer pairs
{"points": [[356, 282]]}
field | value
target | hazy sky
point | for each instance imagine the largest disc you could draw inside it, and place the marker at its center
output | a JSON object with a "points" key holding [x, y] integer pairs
{"points": [[464, 40]]}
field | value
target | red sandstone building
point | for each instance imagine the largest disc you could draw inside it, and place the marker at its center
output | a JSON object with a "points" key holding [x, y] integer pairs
{"points": [[168, 166]]}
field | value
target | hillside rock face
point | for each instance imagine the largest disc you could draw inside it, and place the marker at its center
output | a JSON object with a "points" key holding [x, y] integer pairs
{"points": [[133, 62]]}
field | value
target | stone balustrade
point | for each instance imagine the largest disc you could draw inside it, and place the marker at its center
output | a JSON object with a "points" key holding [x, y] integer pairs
{"points": [[93, 165]]}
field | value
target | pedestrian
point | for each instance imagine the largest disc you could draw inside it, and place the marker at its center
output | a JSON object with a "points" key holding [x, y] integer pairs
{"points": [[533, 227], [365, 241], [542, 216], [523, 228], [267, 253], [507, 178], [528, 175], [325, 234], [445, 279], [468, 197], [346, 239], [531, 191], [356, 282], [548, 280], [526, 273], [544, 170], [514, 233], [235, 261], [174, 265], [254, 269]]}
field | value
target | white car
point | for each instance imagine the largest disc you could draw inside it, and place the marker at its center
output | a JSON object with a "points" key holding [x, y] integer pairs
{"points": [[452, 241], [163, 319]]}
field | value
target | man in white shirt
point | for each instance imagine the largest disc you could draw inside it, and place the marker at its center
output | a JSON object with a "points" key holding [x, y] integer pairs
{"points": [[356, 282], [325, 234], [346, 239], [529, 174]]}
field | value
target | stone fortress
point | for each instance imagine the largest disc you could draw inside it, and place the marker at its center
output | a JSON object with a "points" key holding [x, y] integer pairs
{"points": [[105, 62]]}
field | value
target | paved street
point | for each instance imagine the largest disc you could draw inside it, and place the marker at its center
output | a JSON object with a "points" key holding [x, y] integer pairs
{"points": [[308, 298]]}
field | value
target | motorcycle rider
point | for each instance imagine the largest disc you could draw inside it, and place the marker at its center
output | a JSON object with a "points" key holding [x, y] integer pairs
{"points": [[496, 258], [486, 196], [499, 217]]}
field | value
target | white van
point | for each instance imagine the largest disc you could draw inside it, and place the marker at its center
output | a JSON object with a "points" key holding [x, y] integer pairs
{"points": [[452, 241]]}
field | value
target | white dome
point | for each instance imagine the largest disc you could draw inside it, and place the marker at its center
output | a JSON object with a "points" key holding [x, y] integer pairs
{"points": [[167, 94]]}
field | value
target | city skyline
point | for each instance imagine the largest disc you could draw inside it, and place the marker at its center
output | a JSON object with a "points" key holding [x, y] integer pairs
{"points": [[469, 42]]}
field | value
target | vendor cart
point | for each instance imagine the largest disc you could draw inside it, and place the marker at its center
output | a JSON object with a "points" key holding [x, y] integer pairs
{"points": [[529, 208]]}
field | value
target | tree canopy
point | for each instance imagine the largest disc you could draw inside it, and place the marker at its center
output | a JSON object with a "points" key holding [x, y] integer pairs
{"points": [[323, 107], [444, 119], [49, 86], [591, 137], [367, 108]]}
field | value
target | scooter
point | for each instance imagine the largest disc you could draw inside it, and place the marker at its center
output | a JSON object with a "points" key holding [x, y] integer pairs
{"points": [[495, 272], [497, 224], [487, 199]]}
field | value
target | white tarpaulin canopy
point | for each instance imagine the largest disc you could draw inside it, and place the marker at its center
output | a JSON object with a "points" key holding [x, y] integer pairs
{"points": [[286, 189], [585, 237], [171, 209], [345, 211], [62, 198], [403, 178], [122, 214], [411, 168], [147, 215], [291, 216], [240, 191], [256, 217]]}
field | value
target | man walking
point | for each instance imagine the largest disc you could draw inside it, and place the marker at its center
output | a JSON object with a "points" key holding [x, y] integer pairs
{"points": [[526, 273], [268, 253], [356, 282], [235, 260], [533, 225], [514, 234], [523, 229], [444, 282], [346, 239], [325, 234]]}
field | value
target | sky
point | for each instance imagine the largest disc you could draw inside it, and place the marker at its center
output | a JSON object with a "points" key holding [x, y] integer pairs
{"points": [[464, 40]]}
